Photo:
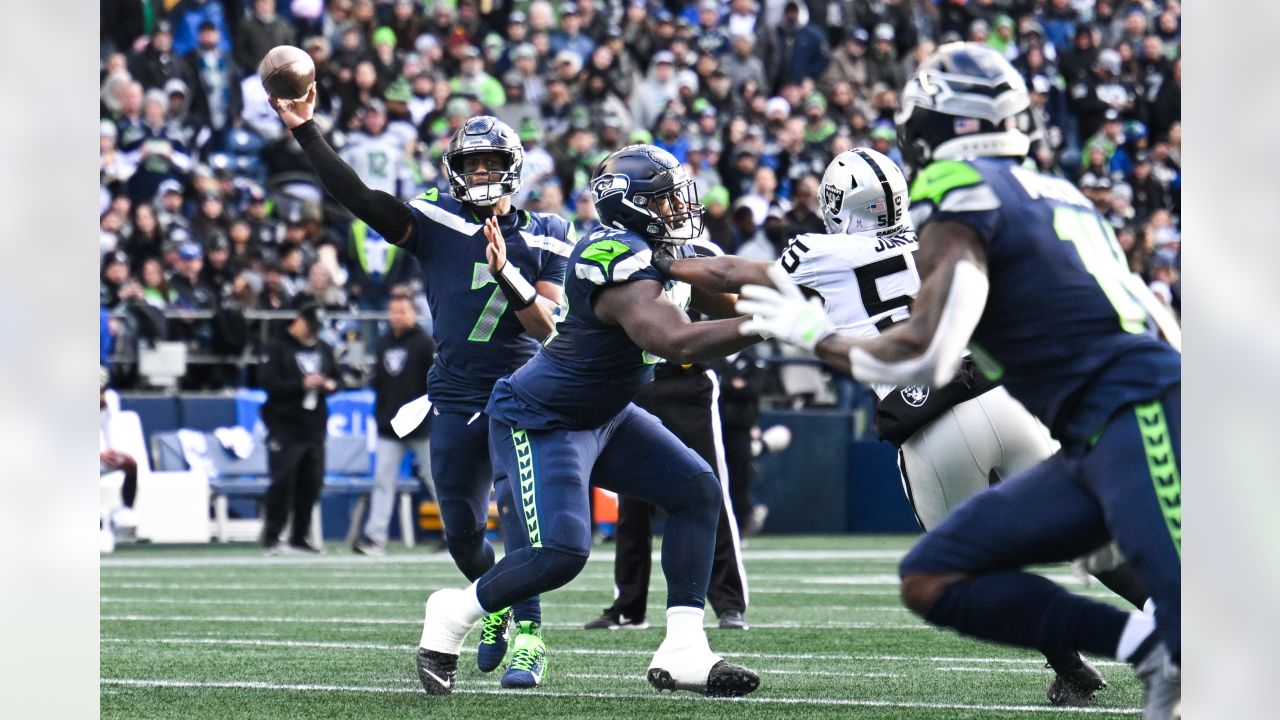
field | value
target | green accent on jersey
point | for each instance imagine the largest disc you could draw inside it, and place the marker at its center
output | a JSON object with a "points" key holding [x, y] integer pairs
{"points": [[1163, 464], [528, 485], [487, 323], [939, 178], [1098, 249], [987, 364], [432, 195], [604, 252]]}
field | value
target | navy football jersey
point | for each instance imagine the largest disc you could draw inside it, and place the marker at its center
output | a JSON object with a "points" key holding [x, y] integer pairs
{"points": [[1063, 324], [588, 369], [477, 339]]}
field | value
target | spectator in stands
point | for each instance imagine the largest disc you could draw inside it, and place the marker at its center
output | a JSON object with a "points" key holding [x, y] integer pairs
{"points": [[191, 290], [405, 354], [884, 68], [157, 63], [190, 19], [216, 97], [802, 49], [297, 373], [258, 33], [155, 287]]}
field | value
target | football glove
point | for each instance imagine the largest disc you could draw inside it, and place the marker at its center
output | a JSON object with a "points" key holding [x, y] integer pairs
{"points": [[783, 313]]}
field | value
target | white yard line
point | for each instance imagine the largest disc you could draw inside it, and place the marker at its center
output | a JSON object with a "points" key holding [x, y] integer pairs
{"points": [[289, 620], [256, 685], [404, 604], [555, 649], [444, 558]]}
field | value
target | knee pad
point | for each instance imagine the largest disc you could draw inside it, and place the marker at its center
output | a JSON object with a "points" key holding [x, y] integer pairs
{"points": [[557, 567], [472, 554]]}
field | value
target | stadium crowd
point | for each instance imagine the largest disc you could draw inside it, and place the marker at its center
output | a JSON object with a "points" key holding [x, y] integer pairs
{"points": [[207, 202]]}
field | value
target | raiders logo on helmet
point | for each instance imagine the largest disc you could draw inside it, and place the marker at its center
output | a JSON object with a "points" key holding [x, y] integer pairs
{"points": [[915, 396], [834, 198]]}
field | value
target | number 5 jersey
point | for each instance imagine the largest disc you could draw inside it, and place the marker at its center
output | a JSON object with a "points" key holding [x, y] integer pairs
{"points": [[478, 338]]}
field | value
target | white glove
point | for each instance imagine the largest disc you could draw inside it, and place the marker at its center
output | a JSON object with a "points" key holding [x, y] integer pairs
{"points": [[783, 313]]}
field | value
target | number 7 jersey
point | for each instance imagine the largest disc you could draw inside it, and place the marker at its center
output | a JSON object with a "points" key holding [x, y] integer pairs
{"points": [[1065, 325], [478, 337]]}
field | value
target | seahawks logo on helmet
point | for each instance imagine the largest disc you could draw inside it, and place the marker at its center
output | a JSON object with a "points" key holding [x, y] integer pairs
{"points": [[915, 396], [610, 185]]}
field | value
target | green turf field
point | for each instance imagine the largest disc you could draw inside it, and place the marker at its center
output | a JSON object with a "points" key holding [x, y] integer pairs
{"points": [[219, 632]]}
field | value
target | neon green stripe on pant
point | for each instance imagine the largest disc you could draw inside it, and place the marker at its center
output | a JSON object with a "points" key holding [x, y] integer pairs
{"points": [[528, 488], [1163, 464]]}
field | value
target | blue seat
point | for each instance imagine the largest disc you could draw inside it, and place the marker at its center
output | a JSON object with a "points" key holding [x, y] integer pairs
{"points": [[348, 471]]}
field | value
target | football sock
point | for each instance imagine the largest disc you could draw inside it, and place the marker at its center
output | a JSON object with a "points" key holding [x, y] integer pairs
{"points": [[1027, 610], [688, 540], [684, 627], [523, 574], [530, 609], [1133, 644]]}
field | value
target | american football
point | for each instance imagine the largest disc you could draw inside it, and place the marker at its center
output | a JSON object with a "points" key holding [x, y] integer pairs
{"points": [[287, 72]]}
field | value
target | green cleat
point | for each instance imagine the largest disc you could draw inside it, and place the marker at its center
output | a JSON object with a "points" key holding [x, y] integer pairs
{"points": [[528, 657], [493, 640]]}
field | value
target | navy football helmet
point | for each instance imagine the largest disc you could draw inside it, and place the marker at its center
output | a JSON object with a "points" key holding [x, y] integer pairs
{"points": [[642, 188], [484, 134], [965, 101]]}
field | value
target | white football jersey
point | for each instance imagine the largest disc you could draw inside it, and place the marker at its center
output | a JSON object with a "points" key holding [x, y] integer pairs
{"points": [[866, 282], [378, 160]]}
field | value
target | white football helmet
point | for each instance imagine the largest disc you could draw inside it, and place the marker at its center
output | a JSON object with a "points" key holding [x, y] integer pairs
{"points": [[863, 191]]}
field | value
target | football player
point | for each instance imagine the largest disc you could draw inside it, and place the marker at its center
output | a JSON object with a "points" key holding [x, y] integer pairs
{"points": [[491, 303], [1018, 266], [566, 420], [955, 440]]}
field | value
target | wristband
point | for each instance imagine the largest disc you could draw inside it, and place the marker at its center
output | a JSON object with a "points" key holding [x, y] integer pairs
{"points": [[518, 290]]}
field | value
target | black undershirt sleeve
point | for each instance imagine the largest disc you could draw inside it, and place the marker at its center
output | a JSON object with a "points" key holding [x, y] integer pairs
{"points": [[380, 210]]}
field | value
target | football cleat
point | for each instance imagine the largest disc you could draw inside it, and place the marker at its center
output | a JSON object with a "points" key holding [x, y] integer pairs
{"points": [[493, 640], [365, 546], [528, 657], [613, 620], [437, 671], [1075, 685], [733, 620], [1161, 685], [700, 670]]}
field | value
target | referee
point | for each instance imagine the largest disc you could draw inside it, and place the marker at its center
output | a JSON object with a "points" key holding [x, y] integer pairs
{"points": [[687, 401]]}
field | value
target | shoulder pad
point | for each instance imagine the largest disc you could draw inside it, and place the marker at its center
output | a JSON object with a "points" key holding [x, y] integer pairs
{"points": [[612, 256], [941, 177]]}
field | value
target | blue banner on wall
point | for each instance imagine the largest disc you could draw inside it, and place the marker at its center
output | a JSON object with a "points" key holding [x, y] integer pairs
{"points": [[350, 413]]}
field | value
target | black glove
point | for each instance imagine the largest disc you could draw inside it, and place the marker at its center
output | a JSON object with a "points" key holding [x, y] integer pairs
{"points": [[663, 255]]}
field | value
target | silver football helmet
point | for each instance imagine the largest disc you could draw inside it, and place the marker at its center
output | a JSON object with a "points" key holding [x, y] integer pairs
{"points": [[964, 101], [863, 191]]}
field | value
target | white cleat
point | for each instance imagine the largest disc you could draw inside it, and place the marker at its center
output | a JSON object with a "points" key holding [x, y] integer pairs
{"points": [[699, 670]]}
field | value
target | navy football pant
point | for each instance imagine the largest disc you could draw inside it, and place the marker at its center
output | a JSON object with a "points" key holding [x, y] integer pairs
{"points": [[463, 479], [1127, 486], [551, 472]]}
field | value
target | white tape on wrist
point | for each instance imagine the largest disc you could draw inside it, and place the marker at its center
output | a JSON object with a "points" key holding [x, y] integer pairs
{"points": [[511, 279]]}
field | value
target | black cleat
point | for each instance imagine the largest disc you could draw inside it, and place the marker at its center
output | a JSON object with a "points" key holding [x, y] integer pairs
{"points": [[729, 680], [724, 680], [1076, 684], [613, 620], [437, 671], [733, 620]]}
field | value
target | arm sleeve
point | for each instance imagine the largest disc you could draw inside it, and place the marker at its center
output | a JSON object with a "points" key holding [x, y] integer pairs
{"points": [[381, 211]]}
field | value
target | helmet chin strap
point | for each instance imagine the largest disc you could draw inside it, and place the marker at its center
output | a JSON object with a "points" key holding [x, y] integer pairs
{"points": [[1010, 143]]}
